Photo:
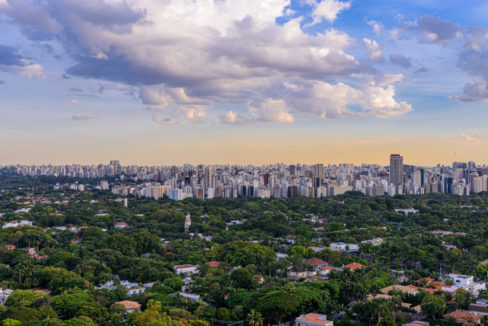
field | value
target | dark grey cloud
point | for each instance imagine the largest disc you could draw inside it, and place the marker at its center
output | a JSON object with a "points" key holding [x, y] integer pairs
{"points": [[475, 64], [2, 82], [401, 60], [473, 60], [44, 20], [434, 29], [9, 56], [13, 61]]}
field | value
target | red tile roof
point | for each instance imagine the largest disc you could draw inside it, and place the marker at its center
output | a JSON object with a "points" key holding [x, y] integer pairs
{"points": [[183, 266], [463, 315], [354, 266], [129, 304], [213, 264], [316, 318], [315, 261]]}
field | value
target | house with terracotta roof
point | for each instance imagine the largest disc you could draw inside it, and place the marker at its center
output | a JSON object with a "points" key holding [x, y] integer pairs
{"points": [[425, 280], [428, 290], [213, 264], [324, 271], [130, 306], [120, 225], [317, 263], [463, 317], [313, 319], [401, 288], [353, 266], [417, 323], [10, 246]]}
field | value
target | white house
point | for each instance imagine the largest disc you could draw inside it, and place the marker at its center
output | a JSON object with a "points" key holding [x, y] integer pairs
{"points": [[186, 269], [191, 296], [12, 224], [374, 242], [15, 224], [22, 210], [344, 247], [4, 294], [465, 282], [134, 291], [406, 211]]}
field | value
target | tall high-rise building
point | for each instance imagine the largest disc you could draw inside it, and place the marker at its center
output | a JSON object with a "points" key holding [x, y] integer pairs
{"points": [[318, 177], [396, 170], [293, 170]]}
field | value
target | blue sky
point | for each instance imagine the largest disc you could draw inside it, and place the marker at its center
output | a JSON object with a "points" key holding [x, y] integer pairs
{"points": [[219, 81]]}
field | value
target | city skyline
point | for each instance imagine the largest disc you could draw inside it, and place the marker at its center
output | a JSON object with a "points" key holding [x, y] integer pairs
{"points": [[276, 180], [243, 82]]}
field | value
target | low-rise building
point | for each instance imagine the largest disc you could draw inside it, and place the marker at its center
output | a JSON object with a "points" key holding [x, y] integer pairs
{"points": [[4, 294], [353, 266], [465, 282], [317, 263], [344, 247], [313, 319], [186, 269], [374, 242], [130, 306], [463, 317]]}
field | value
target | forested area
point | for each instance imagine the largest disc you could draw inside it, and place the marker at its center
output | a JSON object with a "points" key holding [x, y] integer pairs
{"points": [[75, 248]]}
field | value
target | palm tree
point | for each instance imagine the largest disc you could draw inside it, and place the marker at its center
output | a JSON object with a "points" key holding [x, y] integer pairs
{"points": [[255, 318]]}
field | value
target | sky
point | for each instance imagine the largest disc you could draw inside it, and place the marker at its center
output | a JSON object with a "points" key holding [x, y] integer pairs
{"points": [[243, 82]]}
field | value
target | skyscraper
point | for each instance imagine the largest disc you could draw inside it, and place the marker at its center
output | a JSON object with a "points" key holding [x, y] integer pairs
{"points": [[396, 171], [293, 170], [318, 177]]}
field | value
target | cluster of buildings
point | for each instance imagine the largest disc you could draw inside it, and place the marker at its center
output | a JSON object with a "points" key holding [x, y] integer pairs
{"points": [[132, 288], [274, 180]]}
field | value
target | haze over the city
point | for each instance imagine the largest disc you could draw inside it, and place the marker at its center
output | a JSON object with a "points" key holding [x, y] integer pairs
{"points": [[238, 82]]}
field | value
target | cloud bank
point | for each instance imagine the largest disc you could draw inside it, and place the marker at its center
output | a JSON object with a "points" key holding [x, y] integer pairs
{"points": [[186, 57]]}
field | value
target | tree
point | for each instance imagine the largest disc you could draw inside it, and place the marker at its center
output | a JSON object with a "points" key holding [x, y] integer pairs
{"points": [[279, 304], [223, 313], [23, 298], [434, 306], [152, 316], [241, 279], [463, 298], [255, 318]]}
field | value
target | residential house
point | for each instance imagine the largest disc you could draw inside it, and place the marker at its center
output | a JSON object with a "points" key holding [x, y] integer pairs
{"points": [[121, 225], [463, 317], [317, 263], [344, 247], [353, 266], [374, 242], [10, 246], [406, 211], [313, 319], [213, 264], [401, 288], [130, 306], [324, 271], [4, 294], [417, 323], [465, 282], [186, 269]]}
